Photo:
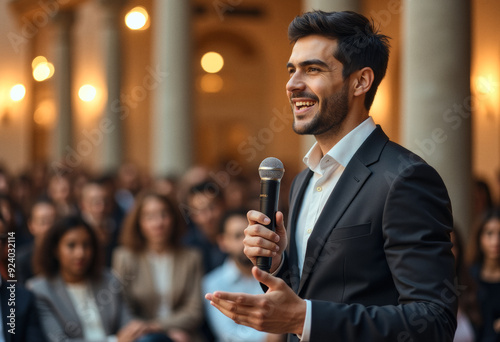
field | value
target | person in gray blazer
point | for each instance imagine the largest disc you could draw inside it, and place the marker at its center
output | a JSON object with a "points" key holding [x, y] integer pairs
{"points": [[368, 247], [77, 299]]}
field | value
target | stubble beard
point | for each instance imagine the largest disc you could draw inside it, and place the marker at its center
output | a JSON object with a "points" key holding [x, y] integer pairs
{"points": [[330, 116]]}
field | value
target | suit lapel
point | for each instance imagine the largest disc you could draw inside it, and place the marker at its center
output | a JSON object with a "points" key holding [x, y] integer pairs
{"points": [[295, 202], [64, 303], [107, 310], [350, 183]]}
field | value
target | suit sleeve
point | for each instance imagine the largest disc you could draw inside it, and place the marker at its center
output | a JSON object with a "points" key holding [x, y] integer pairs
{"points": [[30, 327], [55, 331], [416, 225]]}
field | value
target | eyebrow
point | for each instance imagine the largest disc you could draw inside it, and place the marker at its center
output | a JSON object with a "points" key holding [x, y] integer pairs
{"points": [[309, 62]]}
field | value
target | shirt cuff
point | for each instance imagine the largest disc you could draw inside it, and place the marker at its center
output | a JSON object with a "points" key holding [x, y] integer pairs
{"points": [[306, 331], [280, 266]]}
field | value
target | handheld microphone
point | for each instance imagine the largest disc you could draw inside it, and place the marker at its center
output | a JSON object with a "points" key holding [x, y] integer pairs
{"points": [[270, 171]]}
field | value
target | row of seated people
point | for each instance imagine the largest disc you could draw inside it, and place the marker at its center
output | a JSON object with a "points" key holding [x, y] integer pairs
{"points": [[159, 277], [132, 261]]}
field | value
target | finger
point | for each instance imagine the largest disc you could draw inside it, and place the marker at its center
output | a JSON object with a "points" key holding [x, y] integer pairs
{"points": [[280, 224], [261, 231], [255, 216], [258, 244], [266, 278]]}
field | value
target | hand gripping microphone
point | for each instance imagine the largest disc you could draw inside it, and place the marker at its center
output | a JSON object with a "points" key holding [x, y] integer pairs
{"points": [[270, 171]]}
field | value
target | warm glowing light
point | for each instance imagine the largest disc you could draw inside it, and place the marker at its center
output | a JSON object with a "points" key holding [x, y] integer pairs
{"points": [[137, 18], [42, 69], [38, 60], [87, 93], [45, 113], [485, 85], [211, 83], [17, 92], [212, 62]]}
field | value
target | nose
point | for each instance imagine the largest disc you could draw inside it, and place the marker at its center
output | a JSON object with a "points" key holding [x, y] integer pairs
{"points": [[79, 251], [295, 83]]}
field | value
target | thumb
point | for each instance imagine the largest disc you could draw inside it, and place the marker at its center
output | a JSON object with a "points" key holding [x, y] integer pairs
{"points": [[280, 224], [265, 278]]}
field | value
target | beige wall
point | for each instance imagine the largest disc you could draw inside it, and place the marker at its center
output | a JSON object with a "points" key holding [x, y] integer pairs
{"points": [[250, 118]]}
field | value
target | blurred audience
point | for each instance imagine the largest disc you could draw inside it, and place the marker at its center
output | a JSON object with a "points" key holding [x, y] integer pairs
{"points": [[205, 209], [468, 316], [59, 191], [128, 185], [95, 209], [235, 275], [77, 299], [484, 256], [161, 278], [42, 217], [482, 198], [23, 324], [166, 186]]}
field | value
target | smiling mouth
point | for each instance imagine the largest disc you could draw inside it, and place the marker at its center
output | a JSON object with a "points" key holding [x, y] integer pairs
{"points": [[304, 104]]}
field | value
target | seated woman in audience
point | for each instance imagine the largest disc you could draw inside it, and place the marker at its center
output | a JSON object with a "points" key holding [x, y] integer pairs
{"points": [[162, 279], [77, 300], [468, 316], [484, 255]]}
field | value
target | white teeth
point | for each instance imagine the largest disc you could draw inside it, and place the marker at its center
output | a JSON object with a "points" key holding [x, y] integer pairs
{"points": [[304, 103]]}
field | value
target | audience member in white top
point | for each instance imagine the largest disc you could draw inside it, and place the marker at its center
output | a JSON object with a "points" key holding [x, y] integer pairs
{"points": [[235, 275], [76, 299]]}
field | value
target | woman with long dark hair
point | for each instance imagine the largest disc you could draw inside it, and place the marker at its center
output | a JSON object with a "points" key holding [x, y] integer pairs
{"points": [[484, 257], [76, 298]]}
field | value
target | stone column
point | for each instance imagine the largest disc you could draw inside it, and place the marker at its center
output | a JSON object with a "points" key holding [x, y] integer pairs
{"points": [[112, 146], [436, 109], [62, 140], [171, 117], [328, 6]]}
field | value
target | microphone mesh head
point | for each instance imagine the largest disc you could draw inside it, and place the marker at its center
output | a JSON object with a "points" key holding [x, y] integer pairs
{"points": [[271, 168]]}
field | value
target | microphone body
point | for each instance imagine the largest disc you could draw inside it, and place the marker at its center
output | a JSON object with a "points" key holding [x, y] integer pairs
{"points": [[271, 171]]}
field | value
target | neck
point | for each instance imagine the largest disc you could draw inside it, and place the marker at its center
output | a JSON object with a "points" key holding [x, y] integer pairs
{"points": [[327, 140], [158, 248], [490, 271], [491, 265], [244, 269], [72, 279]]}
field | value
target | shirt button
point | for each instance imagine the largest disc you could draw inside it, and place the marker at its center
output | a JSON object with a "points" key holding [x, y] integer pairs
{"points": [[309, 231], [319, 189]]}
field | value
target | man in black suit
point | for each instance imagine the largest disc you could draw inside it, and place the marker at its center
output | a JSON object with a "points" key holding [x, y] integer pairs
{"points": [[19, 316], [369, 253]]}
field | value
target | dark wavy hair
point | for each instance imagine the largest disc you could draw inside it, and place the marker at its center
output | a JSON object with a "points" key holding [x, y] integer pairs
{"points": [[45, 261], [467, 300], [132, 237], [359, 43], [475, 254]]}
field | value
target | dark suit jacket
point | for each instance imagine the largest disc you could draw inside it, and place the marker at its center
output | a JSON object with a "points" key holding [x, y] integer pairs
{"points": [[59, 318], [27, 325], [378, 265]]}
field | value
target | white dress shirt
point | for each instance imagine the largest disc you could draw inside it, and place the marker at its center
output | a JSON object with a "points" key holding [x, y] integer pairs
{"points": [[327, 171], [161, 268], [86, 308]]}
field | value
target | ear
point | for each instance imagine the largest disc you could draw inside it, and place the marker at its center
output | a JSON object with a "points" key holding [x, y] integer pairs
{"points": [[363, 81]]}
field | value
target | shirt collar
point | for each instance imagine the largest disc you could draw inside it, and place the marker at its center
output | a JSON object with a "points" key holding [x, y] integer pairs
{"points": [[343, 151]]}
